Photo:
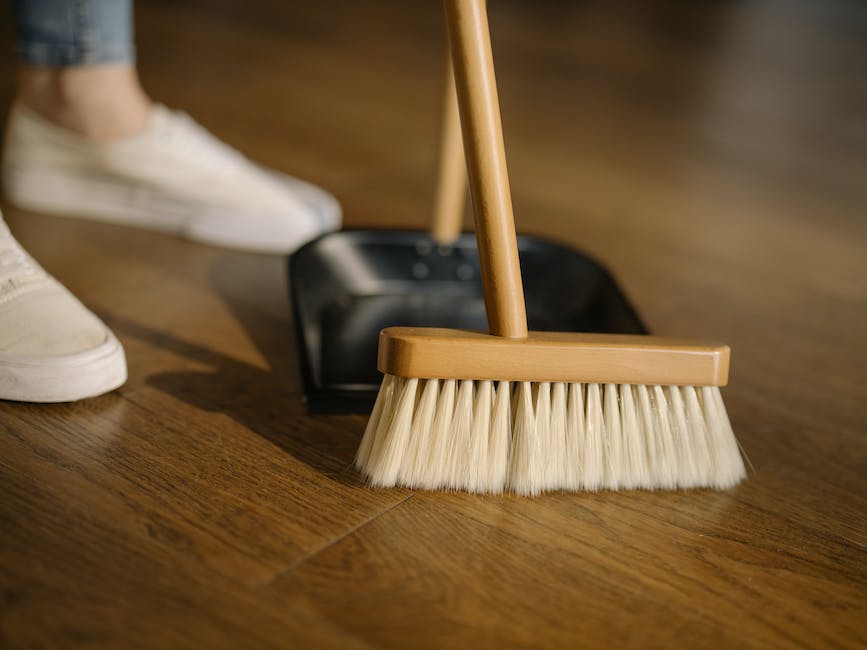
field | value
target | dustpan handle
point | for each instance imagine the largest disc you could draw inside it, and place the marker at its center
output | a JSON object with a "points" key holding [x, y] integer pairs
{"points": [[451, 189], [476, 87]]}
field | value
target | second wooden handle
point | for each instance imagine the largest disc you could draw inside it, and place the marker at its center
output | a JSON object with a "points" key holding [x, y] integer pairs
{"points": [[451, 188], [476, 86]]}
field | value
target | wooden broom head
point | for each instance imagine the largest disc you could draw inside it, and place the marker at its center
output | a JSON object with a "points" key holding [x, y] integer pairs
{"points": [[428, 353]]}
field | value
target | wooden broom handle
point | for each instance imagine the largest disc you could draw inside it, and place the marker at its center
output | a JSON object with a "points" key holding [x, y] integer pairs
{"points": [[470, 43], [452, 174]]}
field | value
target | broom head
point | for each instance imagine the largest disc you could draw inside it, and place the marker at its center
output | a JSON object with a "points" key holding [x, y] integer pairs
{"points": [[462, 410]]}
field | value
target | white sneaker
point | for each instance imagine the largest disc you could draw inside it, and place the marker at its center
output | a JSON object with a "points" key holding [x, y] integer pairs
{"points": [[174, 177], [52, 349]]}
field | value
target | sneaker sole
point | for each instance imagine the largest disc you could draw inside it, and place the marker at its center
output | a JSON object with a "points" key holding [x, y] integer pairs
{"points": [[82, 196], [64, 378]]}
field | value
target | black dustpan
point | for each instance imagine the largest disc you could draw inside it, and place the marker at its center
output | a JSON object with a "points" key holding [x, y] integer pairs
{"points": [[345, 287]]}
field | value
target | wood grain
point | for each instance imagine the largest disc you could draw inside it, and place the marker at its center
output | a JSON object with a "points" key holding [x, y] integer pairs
{"points": [[451, 180], [712, 155], [482, 129], [438, 353]]}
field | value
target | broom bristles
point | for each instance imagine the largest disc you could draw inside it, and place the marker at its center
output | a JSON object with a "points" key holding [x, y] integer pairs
{"points": [[487, 437]]}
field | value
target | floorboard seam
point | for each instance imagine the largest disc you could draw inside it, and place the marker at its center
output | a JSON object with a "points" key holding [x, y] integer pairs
{"points": [[319, 549]]}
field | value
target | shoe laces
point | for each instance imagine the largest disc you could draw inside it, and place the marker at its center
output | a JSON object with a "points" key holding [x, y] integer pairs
{"points": [[17, 268]]}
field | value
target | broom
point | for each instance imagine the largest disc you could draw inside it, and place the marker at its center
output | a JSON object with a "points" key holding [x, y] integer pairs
{"points": [[534, 411]]}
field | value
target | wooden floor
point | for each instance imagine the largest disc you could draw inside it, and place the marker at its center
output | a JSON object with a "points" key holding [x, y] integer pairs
{"points": [[714, 155]]}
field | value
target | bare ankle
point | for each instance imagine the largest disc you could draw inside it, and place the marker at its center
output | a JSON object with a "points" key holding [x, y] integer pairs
{"points": [[100, 102]]}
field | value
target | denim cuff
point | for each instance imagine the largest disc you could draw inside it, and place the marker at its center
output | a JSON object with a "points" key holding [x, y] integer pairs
{"points": [[55, 55], [58, 33]]}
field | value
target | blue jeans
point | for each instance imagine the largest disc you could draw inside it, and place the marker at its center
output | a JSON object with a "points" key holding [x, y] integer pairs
{"points": [[58, 33]]}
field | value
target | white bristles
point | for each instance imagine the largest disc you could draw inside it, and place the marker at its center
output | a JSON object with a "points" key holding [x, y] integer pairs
{"points": [[418, 448], [575, 438], [542, 436], [666, 453], [614, 455], [387, 452], [592, 469], [433, 475], [486, 437], [636, 469], [559, 450], [477, 472], [687, 463], [386, 394], [695, 424], [460, 437], [501, 438], [523, 476], [728, 465]]}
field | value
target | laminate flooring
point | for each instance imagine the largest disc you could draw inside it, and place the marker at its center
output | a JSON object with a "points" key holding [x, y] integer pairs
{"points": [[713, 155]]}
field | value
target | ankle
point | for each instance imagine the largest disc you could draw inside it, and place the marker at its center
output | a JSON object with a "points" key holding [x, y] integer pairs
{"points": [[100, 102]]}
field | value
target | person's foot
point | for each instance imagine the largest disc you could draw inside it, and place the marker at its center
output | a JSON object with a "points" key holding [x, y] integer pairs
{"points": [[173, 176], [52, 349]]}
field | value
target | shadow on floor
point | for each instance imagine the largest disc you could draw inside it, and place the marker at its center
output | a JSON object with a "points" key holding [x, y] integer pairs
{"points": [[268, 401]]}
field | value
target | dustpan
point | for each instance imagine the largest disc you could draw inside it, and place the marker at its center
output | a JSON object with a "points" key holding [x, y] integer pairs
{"points": [[345, 287]]}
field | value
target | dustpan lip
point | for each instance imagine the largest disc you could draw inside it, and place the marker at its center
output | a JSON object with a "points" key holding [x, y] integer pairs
{"points": [[527, 239], [327, 397]]}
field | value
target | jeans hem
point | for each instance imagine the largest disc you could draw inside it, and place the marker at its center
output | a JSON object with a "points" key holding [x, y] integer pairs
{"points": [[56, 55]]}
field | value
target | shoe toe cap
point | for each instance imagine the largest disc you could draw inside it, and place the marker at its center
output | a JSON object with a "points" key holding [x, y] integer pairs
{"points": [[322, 204], [49, 322]]}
